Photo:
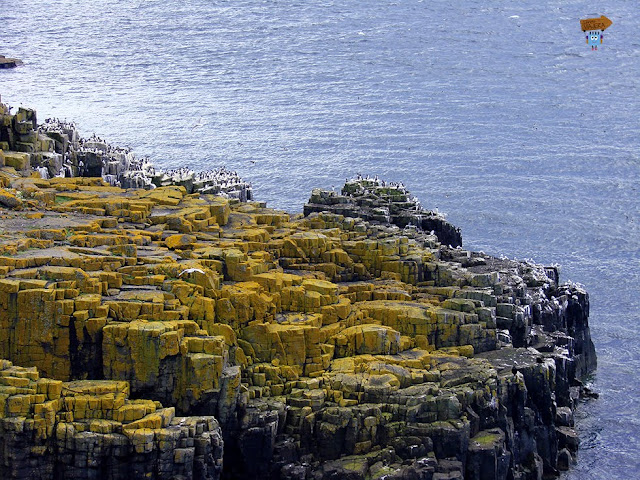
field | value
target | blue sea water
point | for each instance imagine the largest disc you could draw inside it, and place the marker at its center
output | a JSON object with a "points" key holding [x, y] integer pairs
{"points": [[495, 112]]}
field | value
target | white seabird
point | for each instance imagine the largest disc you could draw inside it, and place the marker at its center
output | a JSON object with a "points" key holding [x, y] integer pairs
{"points": [[200, 123], [191, 270]]}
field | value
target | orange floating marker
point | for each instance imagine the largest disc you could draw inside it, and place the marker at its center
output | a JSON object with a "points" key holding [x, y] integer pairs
{"points": [[595, 23]]}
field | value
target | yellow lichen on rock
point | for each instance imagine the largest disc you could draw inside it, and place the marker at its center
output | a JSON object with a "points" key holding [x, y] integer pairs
{"points": [[45, 413], [343, 331]]}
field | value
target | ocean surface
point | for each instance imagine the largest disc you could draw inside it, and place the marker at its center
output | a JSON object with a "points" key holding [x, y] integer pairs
{"points": [[494, 112]]}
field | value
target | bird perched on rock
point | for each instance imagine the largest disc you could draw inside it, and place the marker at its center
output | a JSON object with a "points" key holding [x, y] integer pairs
{"points": [[190, 270]]}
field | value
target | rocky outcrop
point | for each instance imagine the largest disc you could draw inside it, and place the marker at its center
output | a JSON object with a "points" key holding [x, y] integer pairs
{"points": [[383, 202], [55, 149], [308, 347], [92, 429], [9, 62]]}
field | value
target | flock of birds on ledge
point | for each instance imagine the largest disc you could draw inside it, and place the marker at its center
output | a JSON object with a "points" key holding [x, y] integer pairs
{"points": [[368, 186], [120, 167]]}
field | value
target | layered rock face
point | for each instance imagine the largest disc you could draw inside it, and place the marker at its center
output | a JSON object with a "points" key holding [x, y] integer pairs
{"points": [[315, 347], [92, 429]]}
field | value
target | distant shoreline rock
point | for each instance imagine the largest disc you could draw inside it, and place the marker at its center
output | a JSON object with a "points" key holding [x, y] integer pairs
{"points": [[9, 62]]}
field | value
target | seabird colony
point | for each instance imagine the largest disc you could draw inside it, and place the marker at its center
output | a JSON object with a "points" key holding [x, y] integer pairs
{"points": [[94, 156], [219, 181], [376, 182], [384, 194]]}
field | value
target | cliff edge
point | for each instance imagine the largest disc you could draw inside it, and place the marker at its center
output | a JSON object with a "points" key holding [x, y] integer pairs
{"points": [[173, 333]]}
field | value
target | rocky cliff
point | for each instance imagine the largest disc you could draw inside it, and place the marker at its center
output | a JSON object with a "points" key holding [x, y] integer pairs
{"points": [[289, 347]]}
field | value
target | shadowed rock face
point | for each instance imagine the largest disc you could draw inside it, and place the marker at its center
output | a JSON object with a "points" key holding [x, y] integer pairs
{"points": [[93, 429], [314, 347]]}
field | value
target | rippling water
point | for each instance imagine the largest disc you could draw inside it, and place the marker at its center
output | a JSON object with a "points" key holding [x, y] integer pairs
{"points": [[498, 114]]}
